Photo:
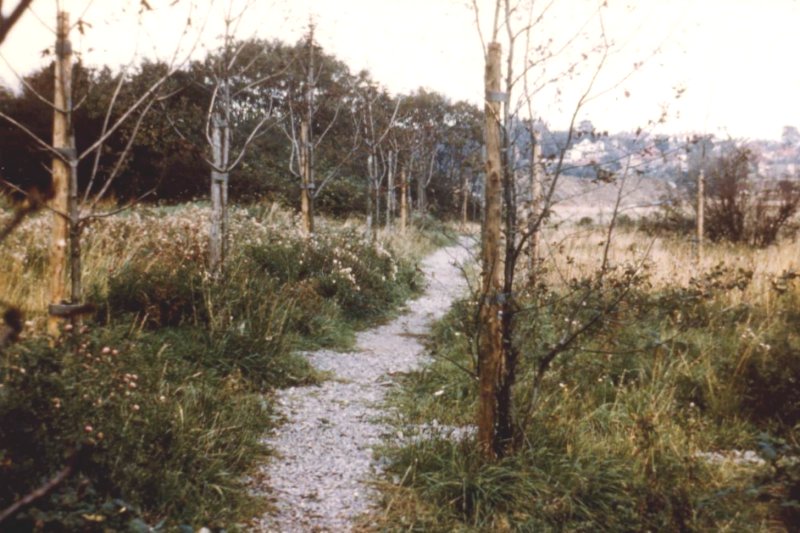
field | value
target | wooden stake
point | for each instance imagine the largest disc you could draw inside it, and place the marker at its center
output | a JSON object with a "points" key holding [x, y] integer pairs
{"points": [[490, 349], [61, 169]]}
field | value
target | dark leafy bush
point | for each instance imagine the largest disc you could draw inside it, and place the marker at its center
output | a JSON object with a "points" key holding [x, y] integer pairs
{"points": [[162, 294]]}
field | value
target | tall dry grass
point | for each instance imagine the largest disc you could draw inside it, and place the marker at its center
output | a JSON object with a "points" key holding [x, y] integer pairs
{"points": [[575, 251]]}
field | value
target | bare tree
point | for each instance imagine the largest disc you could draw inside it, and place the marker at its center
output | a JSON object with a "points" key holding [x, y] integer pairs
{"points": [[72, 211], [305, 139], [235, 101], [503, 239], [376, 123]]}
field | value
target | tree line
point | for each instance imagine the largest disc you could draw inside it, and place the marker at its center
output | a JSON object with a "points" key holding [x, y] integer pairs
{"points": [[362, 137]]}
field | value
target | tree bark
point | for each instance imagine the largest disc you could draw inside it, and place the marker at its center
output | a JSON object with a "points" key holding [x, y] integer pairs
{"points": [[390, 189], [370, 187], [76, 290], [403, 200], [534, 212], [464, 199], [61, 169], [218, 195], [306, 179], [420, 194], [701, 193], [376, 194], [306, 151], [490, 356]]}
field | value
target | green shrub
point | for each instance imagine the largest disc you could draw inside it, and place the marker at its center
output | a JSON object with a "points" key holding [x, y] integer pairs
{"points": [[169, 436], [363, 279], [162, 295]]}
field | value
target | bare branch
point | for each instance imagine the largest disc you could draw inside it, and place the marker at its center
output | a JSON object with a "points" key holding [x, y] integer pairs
{"points": [[47, 146], [96, 216], [49, 103], [6, 23], [143, 98], [120, 160], [106, 120]]}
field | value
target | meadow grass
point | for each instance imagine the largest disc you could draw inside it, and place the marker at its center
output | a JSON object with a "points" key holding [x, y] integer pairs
{"points": [[694, 359]]}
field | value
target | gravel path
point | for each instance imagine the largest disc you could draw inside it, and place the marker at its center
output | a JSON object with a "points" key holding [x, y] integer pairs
{"points": [[317, 482]]}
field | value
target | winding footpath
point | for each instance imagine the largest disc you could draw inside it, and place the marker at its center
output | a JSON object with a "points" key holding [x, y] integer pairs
{"points": [[318, 481]]}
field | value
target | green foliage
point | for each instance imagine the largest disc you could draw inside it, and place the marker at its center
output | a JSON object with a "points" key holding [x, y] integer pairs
{"points": [[434, 228], [149, 415], [163, 393], [670, 220], [362, 279], [342, 197], [164, 294]]}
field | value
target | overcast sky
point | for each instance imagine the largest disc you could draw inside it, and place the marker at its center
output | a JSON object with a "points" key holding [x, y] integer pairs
{"points": [[735, 60]]}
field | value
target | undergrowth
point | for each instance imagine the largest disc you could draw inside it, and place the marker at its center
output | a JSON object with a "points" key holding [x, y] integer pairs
{"points": [[156, 405], [618, 435]]}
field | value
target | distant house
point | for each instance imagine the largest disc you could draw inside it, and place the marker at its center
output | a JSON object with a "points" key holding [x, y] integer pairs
{"points": [[585, 152]]}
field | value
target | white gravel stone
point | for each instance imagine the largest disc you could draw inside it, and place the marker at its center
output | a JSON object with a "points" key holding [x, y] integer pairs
{"points": [[325, 449]]}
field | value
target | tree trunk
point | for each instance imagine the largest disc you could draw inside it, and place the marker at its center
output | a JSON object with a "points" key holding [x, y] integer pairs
{"points": [[420, 195], [490, 356], [507, 365], [76, 291], [534, 212], [464, 199], [376, 193], [226, 152], [306, 151], [306, 178], [215, 247], [701, 192], [61, 170], [390, 190], [403, 200], [370, 196]]}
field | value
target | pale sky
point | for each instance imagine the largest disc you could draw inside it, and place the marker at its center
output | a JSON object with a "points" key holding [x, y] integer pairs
{"points": [[735, 59]]}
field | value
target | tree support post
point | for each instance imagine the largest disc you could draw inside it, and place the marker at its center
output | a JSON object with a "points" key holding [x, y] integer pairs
{"points": [[61, 169], [490, 349]]}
